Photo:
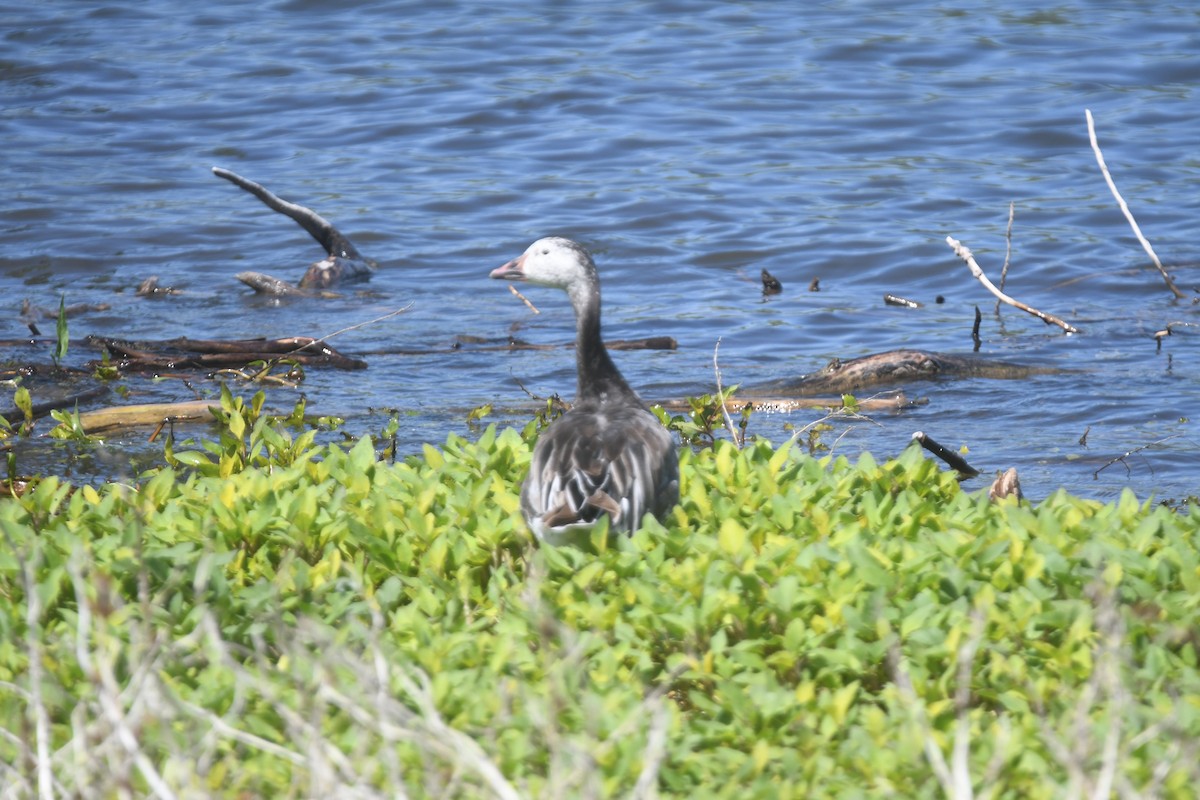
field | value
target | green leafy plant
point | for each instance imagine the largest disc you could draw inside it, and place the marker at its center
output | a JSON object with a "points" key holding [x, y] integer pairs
{"points": [[554, 408], [247, 437], [698, 427], [24, 403], [62, 336], [801, 627], [69, 427]]}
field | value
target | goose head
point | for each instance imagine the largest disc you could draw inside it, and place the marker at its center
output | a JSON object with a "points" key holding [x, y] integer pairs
{"points": [[556, 262]]}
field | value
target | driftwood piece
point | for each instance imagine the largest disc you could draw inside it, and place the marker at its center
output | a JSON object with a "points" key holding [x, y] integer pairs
{"points": [[952, 459], [342, 263], [184, 353], [474, 344], [105, 420], [1112, 186], [768, 404], [151, 288], [903, 366], [896, 300], [963, 252]]}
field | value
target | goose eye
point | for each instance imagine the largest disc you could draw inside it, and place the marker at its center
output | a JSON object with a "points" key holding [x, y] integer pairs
{"points": [[546, 252]]}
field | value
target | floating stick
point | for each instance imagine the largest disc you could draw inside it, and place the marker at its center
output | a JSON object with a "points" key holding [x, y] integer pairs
{"points": [[963, 252]]}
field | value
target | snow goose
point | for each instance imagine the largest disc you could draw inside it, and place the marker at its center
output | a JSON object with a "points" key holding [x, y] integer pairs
{"points": [[608, 455]]}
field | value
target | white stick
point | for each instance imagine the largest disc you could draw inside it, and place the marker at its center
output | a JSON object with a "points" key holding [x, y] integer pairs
{"points": [[963, 252], [1112, 187]]}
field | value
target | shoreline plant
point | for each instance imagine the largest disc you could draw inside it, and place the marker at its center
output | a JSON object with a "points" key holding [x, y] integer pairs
{"points": [[278, 618]]}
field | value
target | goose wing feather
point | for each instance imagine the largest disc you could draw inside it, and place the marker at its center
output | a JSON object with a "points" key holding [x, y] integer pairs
{"points": [[618, 461]]}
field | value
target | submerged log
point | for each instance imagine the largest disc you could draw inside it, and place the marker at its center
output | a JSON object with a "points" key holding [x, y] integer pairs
{"points": [[475, 344], [904, 366], [767, 404], [342, 262], [184, 353]]}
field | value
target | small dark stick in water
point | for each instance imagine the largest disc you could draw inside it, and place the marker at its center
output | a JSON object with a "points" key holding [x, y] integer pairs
{"points": [[952, 459]]}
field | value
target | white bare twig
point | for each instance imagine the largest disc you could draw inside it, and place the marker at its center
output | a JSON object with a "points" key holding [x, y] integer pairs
{"points": [[1112, 187], [737, 439], [963, 252]]}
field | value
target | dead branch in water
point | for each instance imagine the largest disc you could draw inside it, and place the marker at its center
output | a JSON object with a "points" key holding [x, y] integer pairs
{"points": [[184, 353], [474, 344], [1125, 207], [963, 252], [896, 300], [952, 459], [1007, 253], [105, 420], [768, 404], [1121, 458]]}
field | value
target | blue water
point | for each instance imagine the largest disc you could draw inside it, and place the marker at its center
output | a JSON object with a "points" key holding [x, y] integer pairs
{"points": [[689, 145]]}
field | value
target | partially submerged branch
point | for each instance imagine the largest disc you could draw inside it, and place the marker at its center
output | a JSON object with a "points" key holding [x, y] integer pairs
{"points": [[184, 353], [963, 252], [1112, 187], [117, 417]]}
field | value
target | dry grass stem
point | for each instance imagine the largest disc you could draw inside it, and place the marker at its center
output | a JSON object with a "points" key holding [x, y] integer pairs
{"points": [[1007, 253], [733, 431], [523, 299], [1112, 187], [356, 326], [963, 252]]}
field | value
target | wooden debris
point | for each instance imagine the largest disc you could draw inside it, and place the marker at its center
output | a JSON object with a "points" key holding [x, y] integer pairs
{"points": [[1125, 207], [151, 288], [184, 353], [897, 300], [106, 420], [952, 459], [781, 405], [904, 366], [963, 252], [479, 344], [30, 313]]}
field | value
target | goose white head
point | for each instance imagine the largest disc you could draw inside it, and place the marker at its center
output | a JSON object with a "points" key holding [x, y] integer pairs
{"points": [[553, 261]]}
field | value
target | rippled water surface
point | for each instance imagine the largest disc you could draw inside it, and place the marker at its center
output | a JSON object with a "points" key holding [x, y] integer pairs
{"points": [[689, 145]]}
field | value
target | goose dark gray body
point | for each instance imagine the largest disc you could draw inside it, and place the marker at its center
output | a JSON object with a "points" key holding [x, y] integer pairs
{"points": [[342, 263], [608, 455]]}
